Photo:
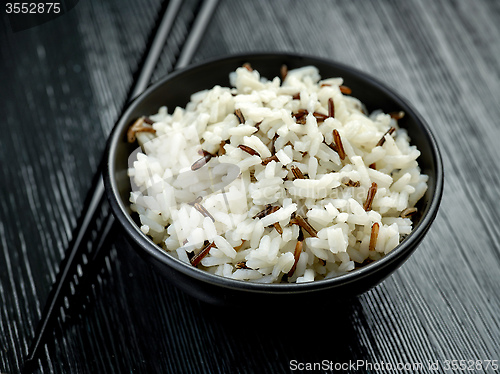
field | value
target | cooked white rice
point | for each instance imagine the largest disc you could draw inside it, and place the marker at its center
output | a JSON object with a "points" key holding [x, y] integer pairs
{"points": [[248, 248]]}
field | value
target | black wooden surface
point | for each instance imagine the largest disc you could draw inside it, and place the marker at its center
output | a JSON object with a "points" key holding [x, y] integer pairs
{"points": [[63, 84]]}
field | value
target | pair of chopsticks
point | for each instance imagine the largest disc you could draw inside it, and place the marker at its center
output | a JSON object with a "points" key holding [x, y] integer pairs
{"points": [[77, 247]]}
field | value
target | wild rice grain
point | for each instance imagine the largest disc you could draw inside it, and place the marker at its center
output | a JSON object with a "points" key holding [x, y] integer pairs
{"points": [[266, 211], [221, 151], [201, 162], [248, 150], [331, 108], [338, 143], [374, 236], [138, 126], [267, 160], [247, 66], [320, 117], [388, 132], [397, 115], [273, 144], [345, 90], [278, 228], [200, 208], [297, 252], [241, 265], [301, 120], [297, 173], [302, 222], [300, 113], [370, 196], [239, 115], [237, 248], [197, 200], [300, 116], [408, 212], [148, 120], [351, 183], [200, 255]]}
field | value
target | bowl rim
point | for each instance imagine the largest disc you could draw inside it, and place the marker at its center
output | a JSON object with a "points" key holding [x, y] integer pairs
{"points": [[407, 246]]}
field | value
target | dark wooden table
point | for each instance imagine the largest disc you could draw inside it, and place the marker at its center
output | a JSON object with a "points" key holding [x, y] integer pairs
{"points": [[63, 85]]}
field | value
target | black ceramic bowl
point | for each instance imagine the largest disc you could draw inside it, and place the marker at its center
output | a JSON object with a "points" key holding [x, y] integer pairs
{"points": [[175, 90]]}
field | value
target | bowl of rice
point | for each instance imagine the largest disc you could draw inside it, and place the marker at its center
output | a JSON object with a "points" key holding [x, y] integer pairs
{"points": [[273, 178]]}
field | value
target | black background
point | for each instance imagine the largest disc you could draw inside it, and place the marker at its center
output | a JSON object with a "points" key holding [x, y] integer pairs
{"points": [[63, 85]]}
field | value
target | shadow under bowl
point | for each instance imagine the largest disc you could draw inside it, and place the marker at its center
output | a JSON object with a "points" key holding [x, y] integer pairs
{"points": [[175, 90]]}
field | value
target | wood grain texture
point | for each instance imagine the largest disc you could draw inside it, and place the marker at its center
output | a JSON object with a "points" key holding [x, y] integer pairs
{"points": [[63, 86]]}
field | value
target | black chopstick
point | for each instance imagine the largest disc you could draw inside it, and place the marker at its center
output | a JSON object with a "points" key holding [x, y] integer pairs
{"points": [[154, 52], [95, 196], [196, 33]]}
